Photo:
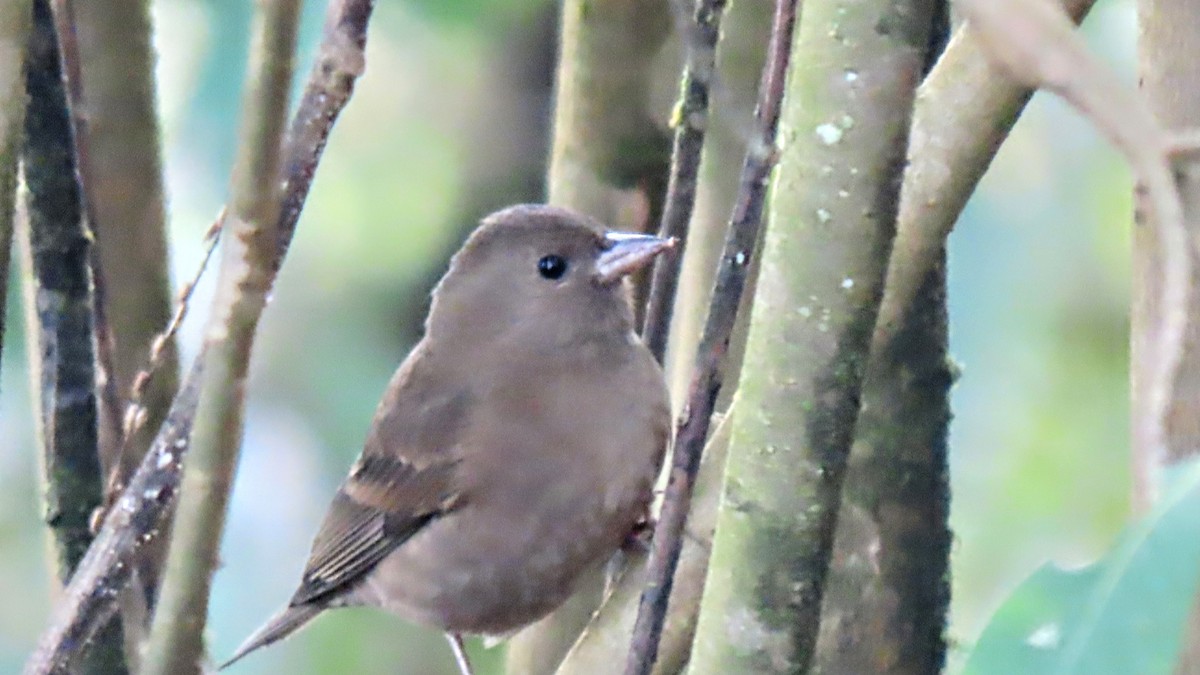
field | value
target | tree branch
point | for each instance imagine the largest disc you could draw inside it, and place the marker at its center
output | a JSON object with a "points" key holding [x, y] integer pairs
{"points": [[690, 121], [136, 516], [692, 429], [176, 643], [59, 247], [964, 110], [888, 588], [850, 93]]}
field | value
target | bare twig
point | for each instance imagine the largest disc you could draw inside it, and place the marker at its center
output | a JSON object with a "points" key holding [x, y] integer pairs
{"points": [[134, 521], [692, 429], [134, 417], [691, 122], [1034, 43]]}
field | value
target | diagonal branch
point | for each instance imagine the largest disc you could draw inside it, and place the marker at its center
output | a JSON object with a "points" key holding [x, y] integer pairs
{"points": [[964, 110], [135, 518], [692, 430]]}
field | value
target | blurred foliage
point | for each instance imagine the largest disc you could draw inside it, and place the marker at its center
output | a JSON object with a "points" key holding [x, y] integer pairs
{"points": [[449, 122], [1120, 615]]}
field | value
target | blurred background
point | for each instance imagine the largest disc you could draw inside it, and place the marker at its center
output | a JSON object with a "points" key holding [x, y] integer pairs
{"points": [[449, 122]]}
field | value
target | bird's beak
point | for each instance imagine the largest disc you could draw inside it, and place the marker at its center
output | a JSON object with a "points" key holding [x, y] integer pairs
{"points": [[628, 252]]}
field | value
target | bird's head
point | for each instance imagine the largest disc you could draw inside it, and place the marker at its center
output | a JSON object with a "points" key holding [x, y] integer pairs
{"points": [[541, 275]]}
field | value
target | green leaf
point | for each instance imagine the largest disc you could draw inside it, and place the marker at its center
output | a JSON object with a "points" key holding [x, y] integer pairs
{"points": [[1122, 615]]}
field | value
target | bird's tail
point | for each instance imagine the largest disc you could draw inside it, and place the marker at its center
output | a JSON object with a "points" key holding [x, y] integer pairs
{"points": [[283, 624]]}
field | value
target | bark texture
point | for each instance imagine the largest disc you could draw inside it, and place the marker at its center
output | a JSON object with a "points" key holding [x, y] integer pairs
{"points": [[843, 136]]}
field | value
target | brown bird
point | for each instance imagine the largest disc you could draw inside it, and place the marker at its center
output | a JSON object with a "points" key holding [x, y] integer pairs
{"points": [[515, 448]]}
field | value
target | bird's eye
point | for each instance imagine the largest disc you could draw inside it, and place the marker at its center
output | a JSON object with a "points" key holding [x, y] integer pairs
{"points": [[552, 266]]}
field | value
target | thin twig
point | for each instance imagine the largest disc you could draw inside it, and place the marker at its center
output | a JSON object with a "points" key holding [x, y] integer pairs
{"points": [[691, 122], [692, 429], [134, 521], [135, 412]]}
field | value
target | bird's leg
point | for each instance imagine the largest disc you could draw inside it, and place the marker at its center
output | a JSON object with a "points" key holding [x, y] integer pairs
{"points": [[638, 538], [636, 542], [460, 653]]}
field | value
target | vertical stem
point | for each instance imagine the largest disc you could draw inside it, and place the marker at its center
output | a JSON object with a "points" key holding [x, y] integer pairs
{"points": [[109, 67], [891, 554], [691, 122], [177, 638], [833, 206], [605, 138], [1168, 70], [59, 248], [116, 116], [745, 33], [888, 592], [712, 357]]}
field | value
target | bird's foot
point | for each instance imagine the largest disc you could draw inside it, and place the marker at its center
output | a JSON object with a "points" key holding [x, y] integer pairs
{"points": [[638, 539]]}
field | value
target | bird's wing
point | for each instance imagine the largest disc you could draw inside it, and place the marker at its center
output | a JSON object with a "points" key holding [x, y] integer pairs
{"points": [[384, 501], [405, 478]]}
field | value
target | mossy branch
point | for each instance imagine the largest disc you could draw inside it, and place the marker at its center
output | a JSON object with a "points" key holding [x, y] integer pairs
{"points": [[62, 328], [845, 127], [888, 590], [135, 519], [605, 137], [888, 593]]}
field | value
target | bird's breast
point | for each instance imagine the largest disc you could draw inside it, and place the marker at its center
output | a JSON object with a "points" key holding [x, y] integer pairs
{"points": [[554, 478]]}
